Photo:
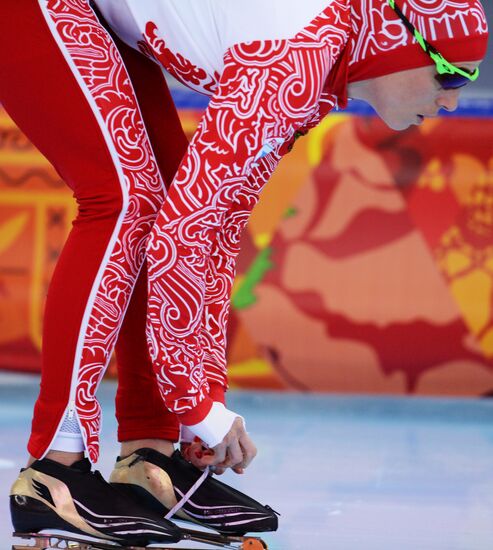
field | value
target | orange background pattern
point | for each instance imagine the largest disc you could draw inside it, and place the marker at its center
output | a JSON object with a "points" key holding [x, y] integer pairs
{"points": [[366, 267]]}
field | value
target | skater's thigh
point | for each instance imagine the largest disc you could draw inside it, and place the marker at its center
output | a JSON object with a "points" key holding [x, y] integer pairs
{"points": [[44, 93], [163, 125]]}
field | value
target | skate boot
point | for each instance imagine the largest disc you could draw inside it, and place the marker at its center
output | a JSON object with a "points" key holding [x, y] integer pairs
{"points": [[175, 488], [48, 496]]}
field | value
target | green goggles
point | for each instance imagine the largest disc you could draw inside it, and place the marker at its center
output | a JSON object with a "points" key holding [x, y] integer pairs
{"points": [[448, 76]]}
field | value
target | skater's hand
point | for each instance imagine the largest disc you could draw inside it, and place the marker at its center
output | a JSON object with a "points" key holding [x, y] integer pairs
{"points": [[194, 453], [236, 451]]}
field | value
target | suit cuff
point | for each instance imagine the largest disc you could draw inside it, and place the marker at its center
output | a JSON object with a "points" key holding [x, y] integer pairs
{"points": [[212, 429]]}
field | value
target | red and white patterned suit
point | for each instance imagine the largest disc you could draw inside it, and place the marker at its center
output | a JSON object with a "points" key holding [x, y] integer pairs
{"points": [[273, 69], [65, 84], [268, 82]]}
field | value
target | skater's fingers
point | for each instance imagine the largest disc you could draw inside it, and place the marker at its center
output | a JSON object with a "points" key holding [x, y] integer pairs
{"points": [[218, 455], [249, 451], [198, 461], [234, 455], [235, 451], [241, 443], [208, 461], [196, 453], [202, 457]]}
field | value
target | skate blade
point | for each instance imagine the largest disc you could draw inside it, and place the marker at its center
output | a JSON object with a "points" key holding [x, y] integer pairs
{"points": [[56, 542], [48, 541], [224, 541], [41, 541]]}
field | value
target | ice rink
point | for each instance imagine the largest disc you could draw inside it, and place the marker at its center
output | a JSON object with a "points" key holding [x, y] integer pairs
{"points": [[346, 473]]}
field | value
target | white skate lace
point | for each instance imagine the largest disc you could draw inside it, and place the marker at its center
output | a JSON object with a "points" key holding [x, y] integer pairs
{"points": [[186, 497]]}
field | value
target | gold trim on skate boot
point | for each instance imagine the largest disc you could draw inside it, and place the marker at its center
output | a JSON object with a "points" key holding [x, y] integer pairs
{"points": [[135, 471], [54, 542], [64, 507]]}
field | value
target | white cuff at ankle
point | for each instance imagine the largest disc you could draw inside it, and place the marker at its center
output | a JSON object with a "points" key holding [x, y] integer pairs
{"points": [[215, 425]]}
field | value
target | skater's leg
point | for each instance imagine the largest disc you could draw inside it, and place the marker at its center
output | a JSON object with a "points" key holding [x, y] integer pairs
{"points": [[62, 81], [64, 84], [97, 142], [143, 420]]}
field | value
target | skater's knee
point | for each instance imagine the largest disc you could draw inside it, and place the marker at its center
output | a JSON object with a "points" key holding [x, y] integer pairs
{"points": [[113, 203]]}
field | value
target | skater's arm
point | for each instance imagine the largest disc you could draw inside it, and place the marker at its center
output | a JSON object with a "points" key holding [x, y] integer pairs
{"points": [[256, 110]]}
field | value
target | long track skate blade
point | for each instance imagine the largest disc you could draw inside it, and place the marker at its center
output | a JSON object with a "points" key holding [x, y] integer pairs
{"points": [[55, 542], [224, 541], [48, 541]]}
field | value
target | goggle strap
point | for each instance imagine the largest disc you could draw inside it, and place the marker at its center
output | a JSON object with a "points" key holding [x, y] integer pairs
{"points": [[421, 41], [443, 66]]}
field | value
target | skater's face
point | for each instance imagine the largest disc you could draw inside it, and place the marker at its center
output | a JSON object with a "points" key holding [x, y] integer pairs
{"points": [[406, 98]]}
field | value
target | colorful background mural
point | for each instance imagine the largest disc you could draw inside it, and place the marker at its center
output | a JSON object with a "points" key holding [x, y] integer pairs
{"points": [[366, 267]]}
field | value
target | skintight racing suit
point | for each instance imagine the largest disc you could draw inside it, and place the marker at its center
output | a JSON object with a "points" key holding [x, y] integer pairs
{"points": [[273, 70], [103, 117], [268, 81]]}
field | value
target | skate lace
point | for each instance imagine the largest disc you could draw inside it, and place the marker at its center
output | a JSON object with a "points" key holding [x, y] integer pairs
{"points": [[188, 495]]}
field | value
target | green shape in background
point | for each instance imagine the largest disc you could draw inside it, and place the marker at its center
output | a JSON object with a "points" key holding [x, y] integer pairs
{"points": [[245, 295]]}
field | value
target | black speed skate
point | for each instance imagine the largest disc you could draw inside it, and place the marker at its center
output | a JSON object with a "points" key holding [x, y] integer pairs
{"points": [[165, 484], [49, 496]]}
